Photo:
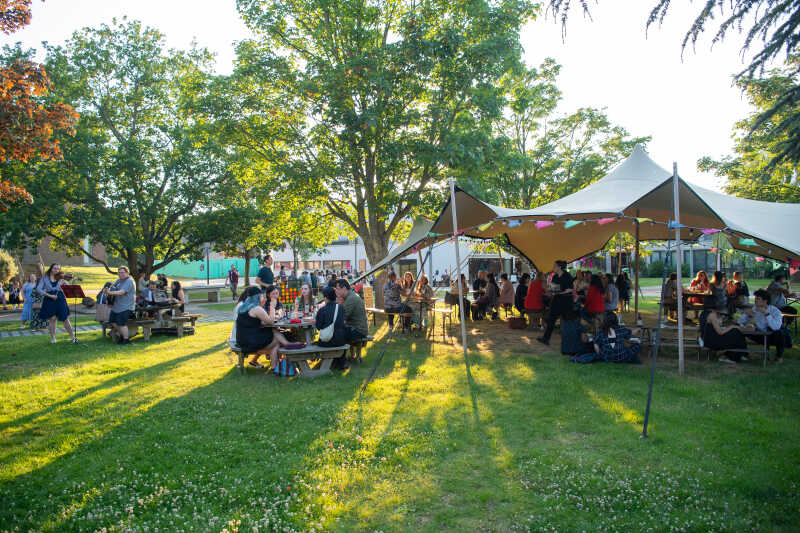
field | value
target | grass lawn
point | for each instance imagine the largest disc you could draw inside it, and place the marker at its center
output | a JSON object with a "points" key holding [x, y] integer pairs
{"points": [[753, 284], [225, 306], [168, 436]]}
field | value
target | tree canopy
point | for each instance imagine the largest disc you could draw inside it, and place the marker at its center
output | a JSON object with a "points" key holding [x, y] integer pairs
{"points": [[378, 102], [142, 175], [27, 123]]}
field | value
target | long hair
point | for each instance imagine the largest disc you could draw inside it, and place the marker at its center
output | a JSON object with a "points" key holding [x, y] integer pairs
{"points": [[176, 288], [610, 322], [252, 298], [49, 270]]}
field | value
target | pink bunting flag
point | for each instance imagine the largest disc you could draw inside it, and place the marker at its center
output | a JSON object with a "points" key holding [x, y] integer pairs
{"points": [[606, 220], [714, 249], [543, 224], [709, 231], [759, 259]]}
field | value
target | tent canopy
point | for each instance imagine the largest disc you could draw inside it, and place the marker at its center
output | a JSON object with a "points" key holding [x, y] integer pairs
{"points": [[418, 237], [636, 189]]}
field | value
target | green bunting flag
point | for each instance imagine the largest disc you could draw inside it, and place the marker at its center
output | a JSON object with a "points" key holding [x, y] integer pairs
{"points": [[484, 227], [747, 242]]}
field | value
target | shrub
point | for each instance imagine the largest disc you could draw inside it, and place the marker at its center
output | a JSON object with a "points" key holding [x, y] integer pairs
{"points": [[8, 267]]}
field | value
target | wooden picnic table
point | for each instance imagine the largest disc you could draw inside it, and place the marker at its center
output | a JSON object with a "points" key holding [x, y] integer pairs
{"points": [[307, 324]]}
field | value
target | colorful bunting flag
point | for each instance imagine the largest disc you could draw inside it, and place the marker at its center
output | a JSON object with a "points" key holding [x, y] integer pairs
{"points": [[514, 223], [709, 231], [715, 249], [484, 227], [642, 220], [432, 234], [606, 220], [747, 242], [759, 259], [570, 223], [676, 225], [543, 224]]}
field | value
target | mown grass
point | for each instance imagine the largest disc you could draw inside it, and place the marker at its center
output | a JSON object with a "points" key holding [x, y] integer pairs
{"points": [[169, 436]]}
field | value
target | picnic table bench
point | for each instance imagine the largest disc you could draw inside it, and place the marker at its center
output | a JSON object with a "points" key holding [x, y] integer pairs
{"points": [[213, 291], [304, 356], [133, 329]]}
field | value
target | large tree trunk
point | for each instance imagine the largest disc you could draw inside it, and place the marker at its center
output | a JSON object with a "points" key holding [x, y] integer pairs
{"points": [[376, 249], [247, 267]]}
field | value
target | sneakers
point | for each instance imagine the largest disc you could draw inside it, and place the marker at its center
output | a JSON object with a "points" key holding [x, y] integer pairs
{"points": [[724, 359], [74, 340], [52, 340], [543, 341]]}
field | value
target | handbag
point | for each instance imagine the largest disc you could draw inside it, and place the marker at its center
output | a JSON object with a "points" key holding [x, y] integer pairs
{"points": [[285, 368], [102, 312], [326, 333]]}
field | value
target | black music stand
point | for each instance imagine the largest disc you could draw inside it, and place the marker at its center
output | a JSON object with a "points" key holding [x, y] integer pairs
{"points": [[75, 292]]}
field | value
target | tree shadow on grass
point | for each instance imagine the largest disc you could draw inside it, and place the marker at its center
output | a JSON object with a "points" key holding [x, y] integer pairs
{"points": [[226, 450]]}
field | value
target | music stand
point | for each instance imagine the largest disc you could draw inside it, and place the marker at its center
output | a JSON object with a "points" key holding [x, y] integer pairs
{"points": [[75, 292]]}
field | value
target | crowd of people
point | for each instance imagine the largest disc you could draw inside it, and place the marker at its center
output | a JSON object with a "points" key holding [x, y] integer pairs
{"points": [[257, 316]]}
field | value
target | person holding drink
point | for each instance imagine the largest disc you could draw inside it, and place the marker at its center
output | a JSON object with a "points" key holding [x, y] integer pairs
{"points": [[304, 303]]}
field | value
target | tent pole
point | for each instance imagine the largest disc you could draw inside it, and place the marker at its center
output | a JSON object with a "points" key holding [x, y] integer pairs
{"points": [[636, 274], [678, 263], [458, 267]]}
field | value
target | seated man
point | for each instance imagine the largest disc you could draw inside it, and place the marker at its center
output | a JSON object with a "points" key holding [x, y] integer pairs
{"points": [[355, 314], [766, 318], [149, 299]]}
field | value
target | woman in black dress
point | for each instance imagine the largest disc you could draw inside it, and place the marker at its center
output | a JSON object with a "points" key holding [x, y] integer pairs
{"points": [[178, 296], [717, 337], [253, 332], [54, 304]]}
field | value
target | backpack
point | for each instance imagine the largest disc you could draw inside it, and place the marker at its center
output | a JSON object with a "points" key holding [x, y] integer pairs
{"points": [[326, 333], [285, 368]]}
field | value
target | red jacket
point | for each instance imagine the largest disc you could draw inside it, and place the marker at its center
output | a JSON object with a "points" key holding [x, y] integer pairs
{"points": [[594, 300], [533, 300]]}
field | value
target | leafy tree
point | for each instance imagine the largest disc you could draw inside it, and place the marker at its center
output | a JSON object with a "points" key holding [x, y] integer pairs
{"points": [[775, 23], [26, 123], [751, 173], [142, 176], [546, 155], [8, 267], [375, 102]]}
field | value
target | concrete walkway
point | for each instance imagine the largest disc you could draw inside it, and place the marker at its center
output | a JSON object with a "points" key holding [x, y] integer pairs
{"points": [[87, 322]]}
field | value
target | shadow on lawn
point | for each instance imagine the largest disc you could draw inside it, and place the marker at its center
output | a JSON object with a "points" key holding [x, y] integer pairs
{"points": [[221, 450]]}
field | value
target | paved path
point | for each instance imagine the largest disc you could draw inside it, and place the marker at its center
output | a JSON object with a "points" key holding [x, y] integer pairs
{"points": [[210, 315]]}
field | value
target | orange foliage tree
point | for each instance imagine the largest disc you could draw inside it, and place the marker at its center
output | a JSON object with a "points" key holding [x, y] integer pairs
{"points": [[26, 123]]}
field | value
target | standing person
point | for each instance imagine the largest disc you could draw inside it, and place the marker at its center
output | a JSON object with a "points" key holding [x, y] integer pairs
{"points": [[124, 292], [624, 290], [611, 297], [265, 277], [534, 300], [561, 291], [27, 295], [521, 292], [14, 291], [282, 273], [305, 278], [767, 318], [232, 280], [3, 297], [54, 304]]}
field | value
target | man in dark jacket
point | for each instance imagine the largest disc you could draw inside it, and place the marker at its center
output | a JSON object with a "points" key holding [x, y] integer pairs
{"points": [[521, 292]]}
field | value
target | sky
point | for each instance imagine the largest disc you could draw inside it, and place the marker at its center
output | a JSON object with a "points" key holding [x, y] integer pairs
{"points": [[687, 104]]}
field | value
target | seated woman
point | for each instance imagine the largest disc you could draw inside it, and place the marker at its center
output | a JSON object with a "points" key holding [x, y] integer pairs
{"points": [[232, 339], [332, 313], [407, 284], [251, 334], [610, 345], [521, 292], [719, 290], [717, 337], [534, 300], [699, 285], [669, 296], [304, 303], [451, 297], [178, 296], [506, 298], [423, 291], [489, 299]]}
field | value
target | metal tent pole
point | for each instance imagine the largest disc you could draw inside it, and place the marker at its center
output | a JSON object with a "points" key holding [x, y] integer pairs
{"points": [[678, 263], [636, 275], [458, 267]]}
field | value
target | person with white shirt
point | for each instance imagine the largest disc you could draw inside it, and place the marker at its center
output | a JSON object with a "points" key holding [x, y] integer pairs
{"points": [[766, 318]]}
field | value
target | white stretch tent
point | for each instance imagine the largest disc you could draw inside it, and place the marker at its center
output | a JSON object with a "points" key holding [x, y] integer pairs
{"points": [[636, 189]]}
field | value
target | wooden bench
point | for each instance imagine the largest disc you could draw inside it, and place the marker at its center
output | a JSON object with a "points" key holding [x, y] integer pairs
{"points": [[213, 292], [180, 323], [302, 356], [133, 329]]}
